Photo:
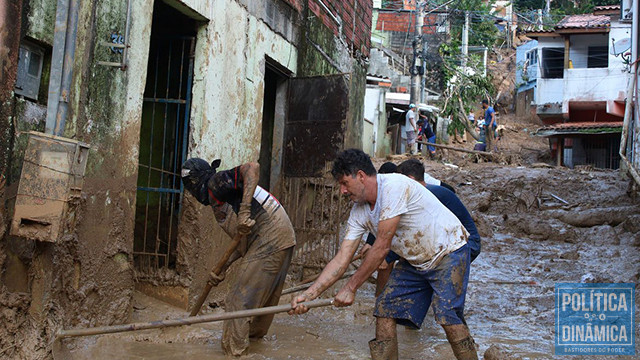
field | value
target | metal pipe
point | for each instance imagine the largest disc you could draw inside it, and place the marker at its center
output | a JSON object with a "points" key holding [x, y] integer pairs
{"points": [[57, 59], [187, 321], [123, 67], [67, 67], [627, 122]]}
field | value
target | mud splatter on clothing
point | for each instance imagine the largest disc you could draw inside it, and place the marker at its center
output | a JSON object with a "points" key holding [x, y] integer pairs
{"points": [[409, 291]]}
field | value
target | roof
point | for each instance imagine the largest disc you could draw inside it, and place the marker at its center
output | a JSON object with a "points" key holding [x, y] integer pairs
{"points": [[606, 8], [584, 21], [581, 128]]}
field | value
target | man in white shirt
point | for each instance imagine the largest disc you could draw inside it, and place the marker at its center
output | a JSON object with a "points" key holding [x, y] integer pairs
{"points": [[411, 128], [432, 243]]}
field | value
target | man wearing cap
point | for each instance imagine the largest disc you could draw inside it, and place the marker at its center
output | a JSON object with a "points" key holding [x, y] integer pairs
{"points": [[241, 206], [411, 129]]}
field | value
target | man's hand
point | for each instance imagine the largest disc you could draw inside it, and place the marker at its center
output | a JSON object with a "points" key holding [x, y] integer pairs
{"points": [[216, 279], [297, 306], [363, 253], [245, 223], [345, 297]]}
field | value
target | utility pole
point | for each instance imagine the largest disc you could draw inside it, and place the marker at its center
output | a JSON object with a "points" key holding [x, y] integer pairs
{"points": [[415, 76], [465, 39]]}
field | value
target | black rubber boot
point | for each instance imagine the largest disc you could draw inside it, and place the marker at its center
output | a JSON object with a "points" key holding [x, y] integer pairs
{"points": [[384, 349], [465, 349]]}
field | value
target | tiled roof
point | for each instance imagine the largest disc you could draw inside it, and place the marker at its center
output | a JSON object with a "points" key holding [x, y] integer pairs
{"points": [[581, 128], [584, 21], [606, 7]]}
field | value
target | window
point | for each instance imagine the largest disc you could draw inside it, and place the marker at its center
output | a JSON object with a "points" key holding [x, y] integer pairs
{"points": [[29, 70], [552, 63], [598, 57], [532, 57]]}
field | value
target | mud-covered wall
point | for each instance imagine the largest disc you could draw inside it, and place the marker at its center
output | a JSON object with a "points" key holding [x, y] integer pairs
{"points": [[86, 278], [322, 53], [10, 18]]}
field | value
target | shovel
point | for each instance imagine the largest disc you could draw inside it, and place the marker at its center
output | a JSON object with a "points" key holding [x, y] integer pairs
{"points": [[215, 272]]}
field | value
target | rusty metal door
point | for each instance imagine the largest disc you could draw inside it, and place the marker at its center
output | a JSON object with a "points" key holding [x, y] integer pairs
{"points": [[315, 126], [314, 133]]}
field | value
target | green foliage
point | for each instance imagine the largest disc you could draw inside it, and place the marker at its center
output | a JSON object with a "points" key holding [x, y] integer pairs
{"points": [[465, 91]]}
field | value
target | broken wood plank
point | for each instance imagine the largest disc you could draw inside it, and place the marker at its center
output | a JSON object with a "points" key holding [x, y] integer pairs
{"points": [[484, 153], [559, 198]]}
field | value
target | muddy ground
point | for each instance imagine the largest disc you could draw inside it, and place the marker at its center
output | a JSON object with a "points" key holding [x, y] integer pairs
{"points": [[541, 225]]}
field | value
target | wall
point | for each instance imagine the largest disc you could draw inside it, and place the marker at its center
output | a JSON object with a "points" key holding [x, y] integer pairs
{"points": [[549, 91], [597, 84], [532, 70], [86, 278]]}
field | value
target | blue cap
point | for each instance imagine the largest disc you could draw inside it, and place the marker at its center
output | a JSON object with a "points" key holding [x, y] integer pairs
{"points": [[411, 106]]}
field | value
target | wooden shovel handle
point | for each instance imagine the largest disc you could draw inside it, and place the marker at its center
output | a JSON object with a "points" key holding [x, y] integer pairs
{"points": [[216, 271]]}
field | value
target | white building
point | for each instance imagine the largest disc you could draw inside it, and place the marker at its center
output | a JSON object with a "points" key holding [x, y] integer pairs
{"points": [[579, 72]]}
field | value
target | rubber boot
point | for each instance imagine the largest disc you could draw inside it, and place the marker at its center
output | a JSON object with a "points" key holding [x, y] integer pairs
{"points": [[384, 349], [465, 349]]}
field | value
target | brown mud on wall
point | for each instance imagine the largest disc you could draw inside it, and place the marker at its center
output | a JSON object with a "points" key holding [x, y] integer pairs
{"points": [[11, 19]]}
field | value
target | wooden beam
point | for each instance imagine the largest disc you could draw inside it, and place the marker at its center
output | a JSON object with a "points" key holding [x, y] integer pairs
{"points": [[567, 43], [485, 153]]}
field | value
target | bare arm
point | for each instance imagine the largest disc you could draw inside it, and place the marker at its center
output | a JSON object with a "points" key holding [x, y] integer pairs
{"points": [[330, 274], [250, 174], [375, 256]]}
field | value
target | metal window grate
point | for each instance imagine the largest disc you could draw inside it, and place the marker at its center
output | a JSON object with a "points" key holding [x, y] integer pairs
{"points": [[163, 147], [316, 210]]}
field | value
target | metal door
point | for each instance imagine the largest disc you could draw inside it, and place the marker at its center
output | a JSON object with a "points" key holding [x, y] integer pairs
{"points": [[314, 133], [163, 148]]}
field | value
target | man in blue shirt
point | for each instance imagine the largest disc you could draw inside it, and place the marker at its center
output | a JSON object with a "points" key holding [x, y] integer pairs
{"points": [[414, 169], [490, 123]]}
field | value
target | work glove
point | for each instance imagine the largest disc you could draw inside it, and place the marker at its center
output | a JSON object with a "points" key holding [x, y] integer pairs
{"points": [[216, 279], [245, 223]]}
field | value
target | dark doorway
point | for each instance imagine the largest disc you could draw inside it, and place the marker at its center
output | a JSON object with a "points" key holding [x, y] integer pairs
{"points": [[163, 137], [274, 80]]}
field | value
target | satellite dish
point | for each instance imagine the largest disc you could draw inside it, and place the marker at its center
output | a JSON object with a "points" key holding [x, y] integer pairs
{"points": [[620, 46]]}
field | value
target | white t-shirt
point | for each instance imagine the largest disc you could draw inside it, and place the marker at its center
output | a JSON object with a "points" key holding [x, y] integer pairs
{"points": [[407, 123], [427, 230], [430, 180]]}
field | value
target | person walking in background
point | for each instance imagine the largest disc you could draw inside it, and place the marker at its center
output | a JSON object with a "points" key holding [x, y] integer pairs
{"points": [[490, 124], [411, 129]]}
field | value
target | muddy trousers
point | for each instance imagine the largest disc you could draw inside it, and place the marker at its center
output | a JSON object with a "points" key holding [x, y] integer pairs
{"points": [[259, 284]]}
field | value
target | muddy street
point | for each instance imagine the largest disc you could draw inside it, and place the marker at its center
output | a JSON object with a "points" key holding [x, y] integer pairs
{"points": [[528, 243]]}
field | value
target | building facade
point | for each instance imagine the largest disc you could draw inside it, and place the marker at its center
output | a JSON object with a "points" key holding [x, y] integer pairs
{"points": [[145, 85]]}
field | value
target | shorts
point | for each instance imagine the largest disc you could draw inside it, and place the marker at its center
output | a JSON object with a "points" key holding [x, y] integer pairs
{"points": [[409, 291]]}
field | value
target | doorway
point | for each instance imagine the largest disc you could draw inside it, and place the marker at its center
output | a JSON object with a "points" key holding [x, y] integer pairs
{"points": [[163, 138], [273, 113]]}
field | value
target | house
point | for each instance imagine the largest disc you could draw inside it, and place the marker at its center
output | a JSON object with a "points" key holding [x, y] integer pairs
{"points": [[576, 77], [140, 86]]}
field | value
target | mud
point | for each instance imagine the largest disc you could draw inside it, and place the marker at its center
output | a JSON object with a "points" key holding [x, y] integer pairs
{"points": [[527, 249]]}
